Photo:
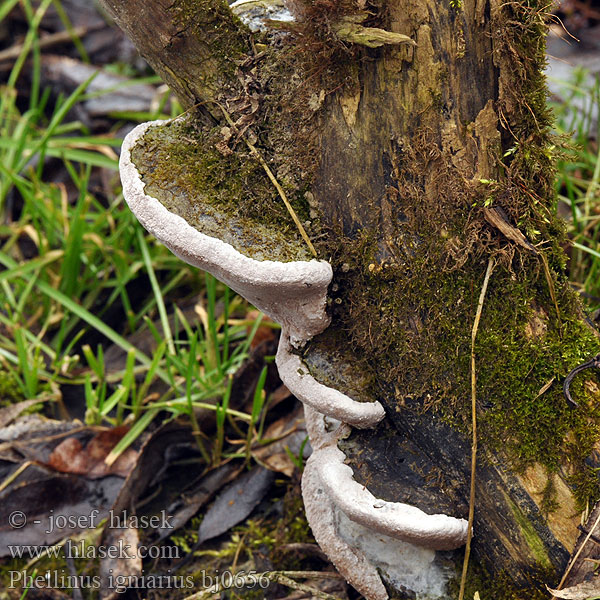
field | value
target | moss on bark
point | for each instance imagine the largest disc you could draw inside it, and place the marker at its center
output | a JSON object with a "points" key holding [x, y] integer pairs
{"points": [[224, 194], [195, 45], [410, 250]]}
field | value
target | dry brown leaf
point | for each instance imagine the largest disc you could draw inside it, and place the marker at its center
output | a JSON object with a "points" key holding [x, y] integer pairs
{"points": [[71, 457], [9, 413], [495, 216], [122, 566], [545, 387], [235, 503], [588, 590], [279, 395], [287, 432]]}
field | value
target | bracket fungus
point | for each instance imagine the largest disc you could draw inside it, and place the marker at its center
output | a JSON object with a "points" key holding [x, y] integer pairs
{"points": [[292, 293], [346, 517], [363, 536]]}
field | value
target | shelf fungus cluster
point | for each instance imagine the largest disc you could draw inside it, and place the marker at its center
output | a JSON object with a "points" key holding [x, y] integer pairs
{"points": [[370, 541]]}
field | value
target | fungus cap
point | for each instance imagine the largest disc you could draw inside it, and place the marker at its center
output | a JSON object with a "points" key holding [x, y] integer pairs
{"points": [[292, 293]]}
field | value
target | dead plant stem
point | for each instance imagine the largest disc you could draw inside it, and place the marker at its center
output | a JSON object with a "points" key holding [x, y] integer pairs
{"points": [[274, 181], [465, 568], [282, 577], [574, 559]]}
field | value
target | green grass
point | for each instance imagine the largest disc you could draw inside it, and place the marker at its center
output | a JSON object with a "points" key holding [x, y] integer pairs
{"points": [[578, 181], [73, 262], [78, 274], [67, 265]]}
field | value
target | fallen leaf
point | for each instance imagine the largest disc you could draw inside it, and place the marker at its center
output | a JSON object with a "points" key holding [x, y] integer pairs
{"points": [[495, 216], [50, 506], [279, 395], [545, 387], [188, 505], [582, 565], [264, 331], [588, 590], [152, 463], [120, 93], [122, 566], [235, 503], [70, 456], [288, 432], [12, 411]]}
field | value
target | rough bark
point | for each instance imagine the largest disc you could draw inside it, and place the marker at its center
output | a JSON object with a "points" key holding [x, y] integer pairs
{"points": [[193, 46], [422, 147], [422, 163]]}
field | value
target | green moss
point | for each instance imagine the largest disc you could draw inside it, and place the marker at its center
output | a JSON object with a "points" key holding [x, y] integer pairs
{"points": [[407, 310], [226, 196], [532, 539], [410, 319], [10, 392], [260, 544], [498, 586], [212, 22]]}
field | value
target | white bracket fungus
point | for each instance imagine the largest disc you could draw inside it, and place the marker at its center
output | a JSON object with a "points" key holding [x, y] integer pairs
{"points": [[392, 537], [294, 294], [326, 400]]}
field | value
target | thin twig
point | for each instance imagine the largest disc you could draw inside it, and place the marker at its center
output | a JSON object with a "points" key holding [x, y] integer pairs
{"points": [[548, 276], [572, 563], [274, 181], [283, 580], [282, 577], [15, 474], [52, 39], [486, 280]]}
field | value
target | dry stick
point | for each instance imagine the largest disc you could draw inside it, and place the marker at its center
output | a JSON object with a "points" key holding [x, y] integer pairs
{"points": [[15, 474], [282, 577], [572, 563], [274, 181], [52, 39], [548, 276], [463, 577], [295, 585]]}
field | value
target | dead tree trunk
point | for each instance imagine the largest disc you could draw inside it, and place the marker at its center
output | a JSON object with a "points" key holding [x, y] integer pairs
{"points": [[415, 165]]}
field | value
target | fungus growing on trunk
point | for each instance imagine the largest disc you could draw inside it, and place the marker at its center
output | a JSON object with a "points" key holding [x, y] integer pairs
{"points": [[292, 293], [364, 535], [348, 521]]}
